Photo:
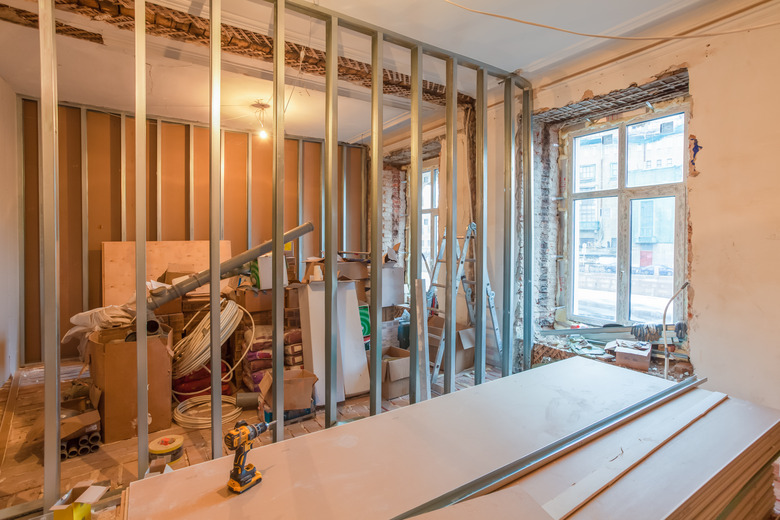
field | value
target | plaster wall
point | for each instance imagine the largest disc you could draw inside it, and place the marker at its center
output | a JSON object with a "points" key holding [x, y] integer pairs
{"points": [[9, 234], [734, 217]]}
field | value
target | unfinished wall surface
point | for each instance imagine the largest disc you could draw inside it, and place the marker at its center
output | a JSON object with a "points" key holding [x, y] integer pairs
{"points": [[10, 230], [393, 208], [734, 216]]}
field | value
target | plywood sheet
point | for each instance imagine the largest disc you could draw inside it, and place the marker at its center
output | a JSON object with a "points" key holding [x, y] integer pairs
{"points": [[312, 197], [385, 465], [235, 194], [119, 263], [173, 181]]}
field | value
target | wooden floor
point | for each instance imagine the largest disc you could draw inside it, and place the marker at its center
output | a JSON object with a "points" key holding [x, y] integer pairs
{"points": [[21, 469]]}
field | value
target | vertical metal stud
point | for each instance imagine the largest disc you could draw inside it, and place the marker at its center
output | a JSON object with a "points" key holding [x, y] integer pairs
{"points": [[322, 195], [222, 185], [415, 228], [215, 219], [450, 339], [84, 214], [142, 387], [528, 229], [363, 195], [343, 197], [249, 190], [330, 210], [22, 229], [377, 77], [508, 312], [299, 242], [480, 347], [50, 284], [123, 176], [277, 229], [158, 179], [191, 190]]}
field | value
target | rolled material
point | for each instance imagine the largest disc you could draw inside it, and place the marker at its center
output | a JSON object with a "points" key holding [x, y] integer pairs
{"points": [[94, 437], [247, 400], [94, 447], [63, 446], [73, 448], [63, 453], [83, 449], [83, 440]]}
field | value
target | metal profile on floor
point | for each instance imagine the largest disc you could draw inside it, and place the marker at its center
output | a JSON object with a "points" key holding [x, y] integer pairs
{"points": [[451, 293], [215, 218], [50, 322], [142, 388], [377, 166], [277, 255], [331, 149]]}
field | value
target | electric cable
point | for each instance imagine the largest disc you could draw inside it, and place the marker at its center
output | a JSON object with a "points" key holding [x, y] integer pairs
{"points": [[183, 416], [607, 37]]}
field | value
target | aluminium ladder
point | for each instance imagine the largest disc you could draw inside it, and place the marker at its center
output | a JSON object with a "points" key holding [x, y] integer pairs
{"points": [[461, 257]]}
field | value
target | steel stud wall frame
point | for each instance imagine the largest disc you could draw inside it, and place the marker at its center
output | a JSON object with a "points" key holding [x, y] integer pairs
{"points": [[333, 20]]}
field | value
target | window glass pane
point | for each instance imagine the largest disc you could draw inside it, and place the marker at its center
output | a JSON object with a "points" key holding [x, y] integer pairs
{"points": [[652, 259], [595, 161], [426, 190], [429, 244], [595, 258], [435, 180], [655, 152]]}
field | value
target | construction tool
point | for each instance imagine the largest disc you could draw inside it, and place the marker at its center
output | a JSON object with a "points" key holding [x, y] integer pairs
{"points": [[243, 476]]}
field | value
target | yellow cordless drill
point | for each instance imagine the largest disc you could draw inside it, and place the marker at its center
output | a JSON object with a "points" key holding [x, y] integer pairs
{"points": [[243, 476]]}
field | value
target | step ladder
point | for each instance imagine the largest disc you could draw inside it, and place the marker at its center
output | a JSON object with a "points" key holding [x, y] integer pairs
{"points": [[462, 256]]}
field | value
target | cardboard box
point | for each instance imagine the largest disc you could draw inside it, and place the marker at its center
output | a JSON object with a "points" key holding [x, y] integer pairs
{"points": [[628, 357], [76, 504], [265, 268], [254, 301], [464, 347], [395, 372], [113, 370], [298, 389]]}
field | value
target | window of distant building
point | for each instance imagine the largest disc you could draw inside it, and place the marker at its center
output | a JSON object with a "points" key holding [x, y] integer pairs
{"points": [[627, 233]]}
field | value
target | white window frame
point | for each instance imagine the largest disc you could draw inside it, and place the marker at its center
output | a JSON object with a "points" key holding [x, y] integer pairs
{"points": [[433, 168], [625, 195]]}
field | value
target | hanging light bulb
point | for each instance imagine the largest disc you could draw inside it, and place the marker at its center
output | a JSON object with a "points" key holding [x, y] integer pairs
{"points": [[262, 134], [260, 107]]}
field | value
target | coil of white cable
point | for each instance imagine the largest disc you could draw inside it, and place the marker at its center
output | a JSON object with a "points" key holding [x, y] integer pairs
{"points": [[184, 416]]}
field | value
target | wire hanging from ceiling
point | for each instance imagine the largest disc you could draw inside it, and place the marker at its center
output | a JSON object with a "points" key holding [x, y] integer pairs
{"points": [[608, 37]]}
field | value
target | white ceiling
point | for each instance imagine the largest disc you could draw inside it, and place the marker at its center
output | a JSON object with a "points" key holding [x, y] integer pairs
{"points": [[102, 75]]}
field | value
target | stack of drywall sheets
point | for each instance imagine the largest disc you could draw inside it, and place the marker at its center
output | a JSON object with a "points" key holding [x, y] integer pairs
{"points": [[386, 465]]}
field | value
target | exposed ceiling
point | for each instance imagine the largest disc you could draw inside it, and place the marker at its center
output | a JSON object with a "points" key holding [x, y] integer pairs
{"points": [[102, 75]]}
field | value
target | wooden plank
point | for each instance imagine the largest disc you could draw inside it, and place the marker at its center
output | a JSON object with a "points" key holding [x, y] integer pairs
{"points": [[359, 470], [631, 454], [8, 415], [119, 263]]}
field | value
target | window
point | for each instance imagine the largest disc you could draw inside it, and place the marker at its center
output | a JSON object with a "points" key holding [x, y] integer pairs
{"points": [[627, 232], [430, 221]]}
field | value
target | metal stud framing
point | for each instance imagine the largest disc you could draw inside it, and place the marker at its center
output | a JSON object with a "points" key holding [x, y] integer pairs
{"points": [[329, 216], [158, 181], [528, 231], [140, 236], [415, 228], [508, 311], [50, 290], [279, 264], [377, 59], [299, 242], [123, 175], [480, 247], [249, 191], [191, 183], [84, 214], [330, 209], [215, 218]]}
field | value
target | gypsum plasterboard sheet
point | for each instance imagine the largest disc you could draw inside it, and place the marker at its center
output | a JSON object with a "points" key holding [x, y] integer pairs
{"points": [[385, 465], [711, 449]]}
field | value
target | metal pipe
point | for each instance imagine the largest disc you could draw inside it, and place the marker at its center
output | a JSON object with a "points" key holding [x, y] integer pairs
{"points": [[450, 339], [524, 465], [279, 265], [377, 84], [331, 218], [163, 295], [415, 227], [480, 312], [50, 283], [528, 230], [590, 330], [142, 376], [215, 218], [508, 312]]}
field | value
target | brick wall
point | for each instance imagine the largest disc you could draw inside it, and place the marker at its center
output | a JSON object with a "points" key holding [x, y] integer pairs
{"points": [[394, 197]]}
